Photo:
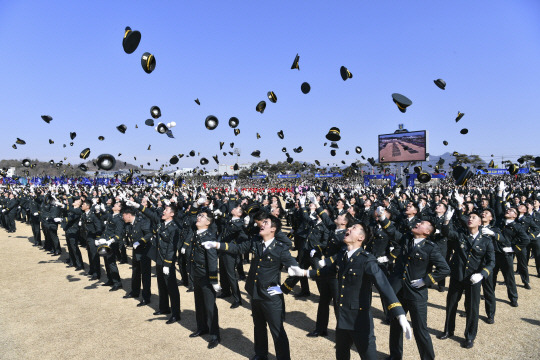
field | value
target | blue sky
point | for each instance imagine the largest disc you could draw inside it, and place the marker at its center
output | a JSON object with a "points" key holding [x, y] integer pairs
{"points": [[65, 59]]}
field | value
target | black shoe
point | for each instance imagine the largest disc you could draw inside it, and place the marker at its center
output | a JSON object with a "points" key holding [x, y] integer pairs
{"points": [[94, 277], [490, 320], [257, 357], [440, 289], [302, 294], [130, 295], [69, 265], [172, 320], [242, 278], [57, 253], [223, 296], [116, 287], [514, 303], [108, 283], [79, 268], [467, 344], [213, 343], [236, 304], [316, 333], [50, 252], [190, 289], [143, 303], [527, 286], [198, 333], [122, 262], [463, 314], [445, 336], [159, 312]]}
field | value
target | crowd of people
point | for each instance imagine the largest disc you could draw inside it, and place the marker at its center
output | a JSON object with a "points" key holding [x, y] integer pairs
{"points": [[348, 237]]}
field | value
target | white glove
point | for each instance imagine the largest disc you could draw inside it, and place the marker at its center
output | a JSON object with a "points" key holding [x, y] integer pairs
{"points": [[382, 259], [274, 290], [380, 212], [296, 271], [57, 220], [449, 213], [312, 198], [183, 250], [102, 206], [398, 190], [508, 249], [165, 270], [321, 263], [94, 201], [217, 212], [246, 221], [97, 208], [216, 287], [487, 231], [312, 252], [302, 201], [476, 278], [201, 200], [167, 202], [100, 242], [405, 326], [418, 283], [136, 244], [109, 242], [459, 198], [36, 214], [3, 210], [210, 245], [501, 187]]}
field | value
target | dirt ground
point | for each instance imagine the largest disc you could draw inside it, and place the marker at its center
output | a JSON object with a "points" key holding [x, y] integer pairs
{"points": [[49, 311]]}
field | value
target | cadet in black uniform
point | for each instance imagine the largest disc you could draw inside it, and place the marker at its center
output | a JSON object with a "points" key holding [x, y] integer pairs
{"points": [[112, 236], [33, 209], [91, 228], [72, 229]]}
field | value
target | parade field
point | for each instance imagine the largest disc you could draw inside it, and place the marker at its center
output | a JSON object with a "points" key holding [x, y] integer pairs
{"points": [[52, 312]]}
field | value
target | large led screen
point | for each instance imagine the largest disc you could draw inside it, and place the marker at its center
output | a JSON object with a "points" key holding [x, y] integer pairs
{"points": [[402, 147]]}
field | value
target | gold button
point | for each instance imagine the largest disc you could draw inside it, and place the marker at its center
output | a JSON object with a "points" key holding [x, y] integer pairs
{"points": [[360, 309], [341, 295], [407, 265], [340, 304], [342, 286]]}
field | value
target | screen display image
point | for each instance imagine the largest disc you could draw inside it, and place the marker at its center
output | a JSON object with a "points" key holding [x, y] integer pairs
{"points": [[407, 146]]}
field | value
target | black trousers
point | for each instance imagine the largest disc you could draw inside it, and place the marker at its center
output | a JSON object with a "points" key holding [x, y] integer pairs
{"points": [[364, 342], [227, 275], [522, 269], [328, 290], [54, 242], [418, 313], [304, 261], [73, 250], [11, 220], [47, 243], [240, 266], [505, 263], [36, 230], [93, 257], [168, 289], [182, 265], [270, 312], [472, 305], [443, 247], [534, 249], [206, 311], [113, 275], [141, 270]]}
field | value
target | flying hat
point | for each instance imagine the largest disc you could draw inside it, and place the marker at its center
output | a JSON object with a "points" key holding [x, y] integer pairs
{"points": [[401, 101], [26, 163], [464, 131], [284, 149], [317, 162], [261, 106], [272, 96], [440, 83], [204, 161], [521, 160], [216, 159], [131, 40], [258, 136], [47, 118], [106, 162], [101, 138], [256, 153], [236, 132], [235, 167], [197, 101], [491, 164], [174, 160], [233, 122], [72, 135], [83, 167], [461, 174], [345, 73], [221, 143], [122, 128], [51, 162], [333, 152], [232, 145], [424, 177], [305, 87], [161, 128], [71, 143], [371, 161], [104, 250], [295, 62], [347, 152], [298, 150], [334, 145], [445, 142], [333, 134], [211, 122], [513, 169], [51, 141], [155, 112], [85, 153], [418, 169], [280, 134], [290, 160], [459, 116], [192, 153], [358, 150], [148, 62]]}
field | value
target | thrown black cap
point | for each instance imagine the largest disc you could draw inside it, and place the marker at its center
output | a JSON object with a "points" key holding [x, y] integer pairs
{"points": [[85, 153], [358, 150], [236, 167], [192, 153], [149, 122], [162, 128], [464, 131], [295, 62], [216, 159], [284, 149], [204, 161], [232, 145], [459, 116], [424, 177], [445, 142], [440, 83], [101, 138], [461, 174], [258, 136], [221, 143], [26, 163], [305, 87], [272, 96], [51, 141], [122, 128], [334, 134], [236, 132], [131, 40], [345, 73], [71, 143], [334, 145], [46, 118], [174, 160], [72, 135], [198, 101], [148, 62], [83, 167], [106, 162], [290, 160], [233, 122], [347, 152], [513, 169], [298, 150], [371, 161], [401, 101], [155, 112], [491, 164], [317, 162], [280, 134], [211, 122], [261, 106], [20, 141], [333, 152], [256, 153]]}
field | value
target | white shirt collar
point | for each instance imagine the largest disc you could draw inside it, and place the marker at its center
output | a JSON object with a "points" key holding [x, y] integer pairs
{"points": [[267, 243], [201, 231], [351, 252], [167, 222]]}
